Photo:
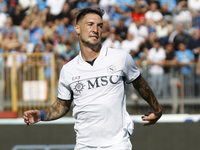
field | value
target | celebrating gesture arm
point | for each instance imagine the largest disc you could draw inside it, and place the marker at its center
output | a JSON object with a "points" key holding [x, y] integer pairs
{"points": [[147, 94], [58, 109]]}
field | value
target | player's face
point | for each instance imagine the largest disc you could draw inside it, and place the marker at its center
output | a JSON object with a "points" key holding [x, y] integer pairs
{"points": [[90, 30]]}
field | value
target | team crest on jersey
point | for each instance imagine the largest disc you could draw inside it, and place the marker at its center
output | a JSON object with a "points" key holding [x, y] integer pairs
{"points": [[79, 87], [111, 69]]}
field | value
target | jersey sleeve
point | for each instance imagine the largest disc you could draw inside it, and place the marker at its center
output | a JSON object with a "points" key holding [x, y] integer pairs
{"points": [[64, 91], [131, 72]]}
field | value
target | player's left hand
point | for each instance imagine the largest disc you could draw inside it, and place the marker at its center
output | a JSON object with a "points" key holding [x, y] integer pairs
{"points": [[151, 118]]}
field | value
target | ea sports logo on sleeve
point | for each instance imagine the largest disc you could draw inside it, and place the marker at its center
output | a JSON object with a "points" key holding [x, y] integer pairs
{"points": [[111, 69]]}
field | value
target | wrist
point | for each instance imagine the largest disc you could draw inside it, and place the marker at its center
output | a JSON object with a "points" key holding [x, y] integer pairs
{"points": [[158, 114], [42, 115]]}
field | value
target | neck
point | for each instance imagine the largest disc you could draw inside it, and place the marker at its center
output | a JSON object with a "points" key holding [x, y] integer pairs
{"points": [[89, 54]]}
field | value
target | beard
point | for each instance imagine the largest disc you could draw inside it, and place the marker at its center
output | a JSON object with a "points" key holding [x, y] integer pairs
{"points": [[89, 44]]}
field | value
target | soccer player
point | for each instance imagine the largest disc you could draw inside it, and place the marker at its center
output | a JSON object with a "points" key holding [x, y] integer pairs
{"points": [[94, 81]]}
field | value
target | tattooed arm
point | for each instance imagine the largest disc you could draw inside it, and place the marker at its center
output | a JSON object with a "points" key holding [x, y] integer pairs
{"points": [[58, 109], [147, 94]]}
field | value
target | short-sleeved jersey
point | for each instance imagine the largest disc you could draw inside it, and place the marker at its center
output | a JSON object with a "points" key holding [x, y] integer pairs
{"points": [[98, 93]]}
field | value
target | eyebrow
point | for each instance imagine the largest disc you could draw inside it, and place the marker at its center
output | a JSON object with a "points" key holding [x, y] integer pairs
{"points": [[93, 23]]}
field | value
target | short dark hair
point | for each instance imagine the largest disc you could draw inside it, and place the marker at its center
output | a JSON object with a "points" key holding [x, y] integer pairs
{"points": [[87, 10]]}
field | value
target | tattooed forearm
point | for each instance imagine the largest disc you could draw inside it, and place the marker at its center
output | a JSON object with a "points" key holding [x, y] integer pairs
{"points": [[58, 109], [146, 93]]}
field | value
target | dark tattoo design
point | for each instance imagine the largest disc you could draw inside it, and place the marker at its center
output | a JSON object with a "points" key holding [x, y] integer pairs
{"points": [[146, 93], [58, 109]]}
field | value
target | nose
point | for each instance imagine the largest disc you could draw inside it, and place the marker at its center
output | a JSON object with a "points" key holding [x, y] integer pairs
{"points": [[95, 28]]}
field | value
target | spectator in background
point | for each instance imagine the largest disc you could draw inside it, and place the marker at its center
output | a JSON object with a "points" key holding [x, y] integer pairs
{"points": [[194, 43], [183, 15], [121, 30], [37, 48], [154, 1], [153, 15], [197, 78], [163, 31], [20, 57], [48, 15], [131, 45], [67, 55], [73, 3], [3, 10], [70, 27], [9, 41], [93, 3], [23, 32], [36, 35], [139, 30], [156, 55], [148, 44], [124, 9], [169, 62], [56, 39], [11, 4], [41, 4], [36, 64], [144, 50], [47, 60], [179, 36], [18, 15], [62, 27], [82, 4], [167, 8], [2, 83], [3, 6], [111, 40], [55, 6], [169, 4], [105, 3], [65, 11], [106, 27], [49, 30], [194, 5], [37, 15], [27, 5], [8, 27], [185, 58], [110, 12], [139, 12], [1, 69], [61, 47], [36, 32]]}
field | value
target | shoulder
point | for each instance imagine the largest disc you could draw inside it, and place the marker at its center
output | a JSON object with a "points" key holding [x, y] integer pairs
{"points": [[189, 51], [71, 64], [117, 54], [162, 50], [152, 50], [115, 51], [178, 52]]}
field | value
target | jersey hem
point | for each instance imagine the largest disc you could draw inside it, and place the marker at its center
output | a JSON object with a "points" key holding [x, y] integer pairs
{"points": [[91, 145]]}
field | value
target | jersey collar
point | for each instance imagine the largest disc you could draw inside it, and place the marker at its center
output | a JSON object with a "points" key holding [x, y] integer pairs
{"points": [[103, 52]]}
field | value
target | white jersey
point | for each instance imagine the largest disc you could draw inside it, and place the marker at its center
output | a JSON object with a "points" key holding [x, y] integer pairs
{"points": [[99, 96]]}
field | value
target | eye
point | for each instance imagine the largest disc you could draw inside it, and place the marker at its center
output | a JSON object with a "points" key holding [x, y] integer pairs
{"points": [[89, 24], [100, 25]]}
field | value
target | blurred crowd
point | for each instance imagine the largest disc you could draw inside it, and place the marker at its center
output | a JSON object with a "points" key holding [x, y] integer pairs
{"points": [[160, 33]]}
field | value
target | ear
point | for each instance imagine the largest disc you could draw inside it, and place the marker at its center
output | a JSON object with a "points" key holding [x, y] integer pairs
{"points": [[77, 29]]}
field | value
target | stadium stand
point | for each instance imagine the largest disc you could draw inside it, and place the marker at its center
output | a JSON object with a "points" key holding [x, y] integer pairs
{"points": [[38, 37]]}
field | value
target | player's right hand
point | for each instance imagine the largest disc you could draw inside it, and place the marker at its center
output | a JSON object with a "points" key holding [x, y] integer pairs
{"points": [[32, 116]]}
